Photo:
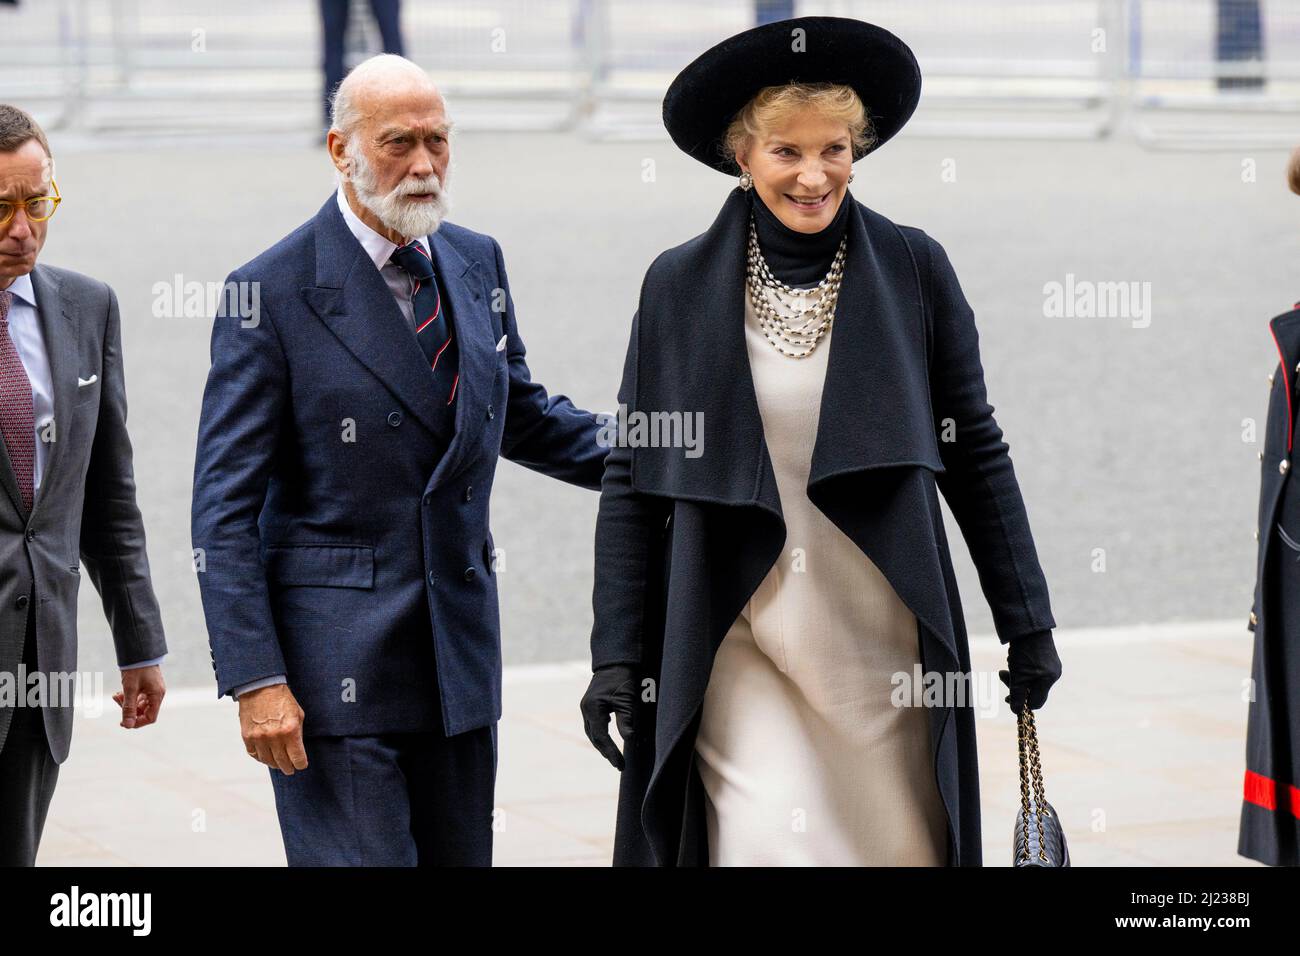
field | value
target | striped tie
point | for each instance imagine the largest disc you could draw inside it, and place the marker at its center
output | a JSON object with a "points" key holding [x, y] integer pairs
{"points": [[17, 420], [432, 329]]}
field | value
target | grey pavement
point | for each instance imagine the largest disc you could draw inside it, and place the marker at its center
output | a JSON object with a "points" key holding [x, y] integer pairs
{"points": [[1142, 751]]}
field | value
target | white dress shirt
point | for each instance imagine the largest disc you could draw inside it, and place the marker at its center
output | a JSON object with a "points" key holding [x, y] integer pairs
{"points": [[380, 249], [29, 340]]}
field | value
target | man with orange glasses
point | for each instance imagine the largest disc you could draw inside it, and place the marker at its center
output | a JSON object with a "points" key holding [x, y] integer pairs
{"points": [[66, 476]]}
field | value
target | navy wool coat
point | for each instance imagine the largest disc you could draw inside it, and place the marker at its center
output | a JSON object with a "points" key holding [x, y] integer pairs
{"points": [[682, 543], [341, 524], [1270, 810]]}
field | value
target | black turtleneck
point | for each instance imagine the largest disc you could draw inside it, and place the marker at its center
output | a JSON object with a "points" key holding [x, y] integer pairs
{"points": [[798, 258]]}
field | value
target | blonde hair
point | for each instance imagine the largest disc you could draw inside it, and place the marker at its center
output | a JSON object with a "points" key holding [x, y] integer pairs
{"points": [[775, 105]]}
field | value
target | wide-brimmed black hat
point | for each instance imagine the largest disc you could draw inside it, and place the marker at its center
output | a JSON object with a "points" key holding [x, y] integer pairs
{"points": [[707, 94]]}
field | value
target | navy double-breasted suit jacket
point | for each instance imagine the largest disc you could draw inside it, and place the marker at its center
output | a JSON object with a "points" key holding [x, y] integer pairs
{"points": [[340, 528]]}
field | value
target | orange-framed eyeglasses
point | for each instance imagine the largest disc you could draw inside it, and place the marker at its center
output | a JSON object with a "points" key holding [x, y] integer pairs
{"points": [[38, 209]]}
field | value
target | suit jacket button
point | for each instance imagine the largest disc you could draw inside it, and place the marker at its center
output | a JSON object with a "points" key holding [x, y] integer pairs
{"points": [[394, 418], [491, 414], [31, 534], [21, 602], [470, 572], [1283, 465], [1253, 619], [469, 492], [432, 580]]}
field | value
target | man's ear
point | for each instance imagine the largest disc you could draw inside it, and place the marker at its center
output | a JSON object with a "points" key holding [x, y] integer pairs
{"points": [[337, 147]]}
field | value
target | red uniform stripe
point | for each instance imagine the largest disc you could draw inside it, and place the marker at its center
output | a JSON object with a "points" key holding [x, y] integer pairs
{"points": [[1262, 791], [455, 382], [439, 353]]}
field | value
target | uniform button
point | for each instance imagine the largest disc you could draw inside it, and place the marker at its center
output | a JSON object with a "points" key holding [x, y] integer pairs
{"points": [[469, 492], [470, 572], [491, 414], [432, 580], [394, 418], [1283, 465], [1270, 377], [31, 534], [21, 602], [1253, 619]]}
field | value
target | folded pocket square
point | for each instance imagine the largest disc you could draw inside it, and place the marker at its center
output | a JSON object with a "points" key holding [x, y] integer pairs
{"points": [[502, 344], [83, 382]]}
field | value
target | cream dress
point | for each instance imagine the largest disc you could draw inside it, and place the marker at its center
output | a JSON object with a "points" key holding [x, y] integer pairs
{"points": [[804, 758]]}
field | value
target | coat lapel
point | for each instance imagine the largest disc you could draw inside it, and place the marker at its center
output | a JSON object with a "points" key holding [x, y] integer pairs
{"points": [[60, 325], [462, 282], [351, 297], [1286, 335], [875, 406]]}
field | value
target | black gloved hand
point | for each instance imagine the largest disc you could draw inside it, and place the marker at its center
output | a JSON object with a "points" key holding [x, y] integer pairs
{"points": [[1032, 668], [612, 690]]}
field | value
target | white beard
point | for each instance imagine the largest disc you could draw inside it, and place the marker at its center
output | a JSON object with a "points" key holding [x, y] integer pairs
{"points": [[407, 218]]}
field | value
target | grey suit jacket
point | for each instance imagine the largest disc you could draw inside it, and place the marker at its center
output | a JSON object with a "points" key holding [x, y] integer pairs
{"points": [[85, 508]]}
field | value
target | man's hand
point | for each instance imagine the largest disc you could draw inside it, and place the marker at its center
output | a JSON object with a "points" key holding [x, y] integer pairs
{"points": [[270, 721], [141, 696]]}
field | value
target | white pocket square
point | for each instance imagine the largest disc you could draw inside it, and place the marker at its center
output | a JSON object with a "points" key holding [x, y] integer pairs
{"points": [[502, 344], [83, 382]]}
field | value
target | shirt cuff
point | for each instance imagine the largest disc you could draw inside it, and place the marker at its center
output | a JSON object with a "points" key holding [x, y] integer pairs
{"points": [[257, 685], [132, 667]]}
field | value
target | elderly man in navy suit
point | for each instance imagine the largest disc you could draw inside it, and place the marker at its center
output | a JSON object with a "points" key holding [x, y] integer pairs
{"points": [[351, 425]]}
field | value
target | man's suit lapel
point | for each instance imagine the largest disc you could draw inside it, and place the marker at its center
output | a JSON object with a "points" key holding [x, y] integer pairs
{"points": [[462, 282], [351, 297]]}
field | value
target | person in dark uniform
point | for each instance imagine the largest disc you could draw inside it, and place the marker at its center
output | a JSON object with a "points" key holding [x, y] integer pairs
{"points": [[1270, 808]]}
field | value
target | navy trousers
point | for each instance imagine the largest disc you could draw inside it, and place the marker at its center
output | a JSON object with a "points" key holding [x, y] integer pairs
{"points": [[409, 799]]}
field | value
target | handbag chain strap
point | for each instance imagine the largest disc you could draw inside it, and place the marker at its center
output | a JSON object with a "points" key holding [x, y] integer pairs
{"points": [[1031, 768]]}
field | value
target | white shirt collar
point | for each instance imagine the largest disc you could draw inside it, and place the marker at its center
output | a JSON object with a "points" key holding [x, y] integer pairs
{"points": [[377, 247], [22, 289]]}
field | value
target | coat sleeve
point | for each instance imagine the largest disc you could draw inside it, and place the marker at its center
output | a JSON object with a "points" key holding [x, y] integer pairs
{"points": [[112, 529], [239, 431], [546, 433], [979, 482], [629, 525]]}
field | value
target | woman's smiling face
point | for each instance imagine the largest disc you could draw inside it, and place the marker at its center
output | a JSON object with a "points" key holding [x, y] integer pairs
{"points": [[801, 169]]}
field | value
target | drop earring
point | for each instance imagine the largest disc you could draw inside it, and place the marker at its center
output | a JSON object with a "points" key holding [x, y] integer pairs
{"points": [[746, 181], [850, 175]]}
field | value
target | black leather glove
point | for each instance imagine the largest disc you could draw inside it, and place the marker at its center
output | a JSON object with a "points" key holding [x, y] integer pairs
{"points": [[1032, 668], [612, 689]]}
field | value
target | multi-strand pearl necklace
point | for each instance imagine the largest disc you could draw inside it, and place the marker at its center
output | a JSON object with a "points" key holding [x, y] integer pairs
{"points": [[804, 328]]}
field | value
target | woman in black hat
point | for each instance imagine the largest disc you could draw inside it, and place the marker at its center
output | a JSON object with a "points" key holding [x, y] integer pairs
{"points": [[777, 624]]}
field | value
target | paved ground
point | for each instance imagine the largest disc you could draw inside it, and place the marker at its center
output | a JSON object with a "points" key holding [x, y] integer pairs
{"points": [[1142, 751]]}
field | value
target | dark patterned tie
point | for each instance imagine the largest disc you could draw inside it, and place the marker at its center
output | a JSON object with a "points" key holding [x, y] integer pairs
{"points": [[432, 329], [17, 420]]}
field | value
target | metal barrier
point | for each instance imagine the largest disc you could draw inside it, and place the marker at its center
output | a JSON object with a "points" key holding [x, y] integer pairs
{"points": [[1045, 68]]}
